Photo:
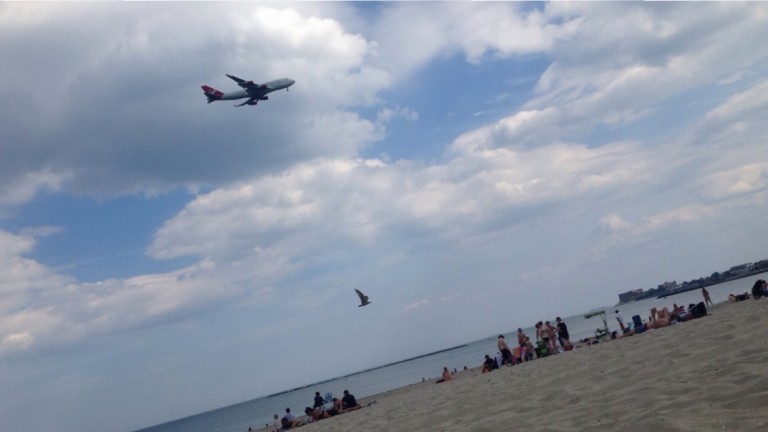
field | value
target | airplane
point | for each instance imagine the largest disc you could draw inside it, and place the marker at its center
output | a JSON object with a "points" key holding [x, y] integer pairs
{"points": [[363, 298], [254, 92]]}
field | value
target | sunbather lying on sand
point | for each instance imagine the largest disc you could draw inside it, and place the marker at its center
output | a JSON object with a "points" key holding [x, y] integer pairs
{"points": [[317, 414]]}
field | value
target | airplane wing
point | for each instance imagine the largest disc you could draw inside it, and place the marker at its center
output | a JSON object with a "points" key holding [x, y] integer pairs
{"points": [[250, 101], [255, 91], [241, 82]]}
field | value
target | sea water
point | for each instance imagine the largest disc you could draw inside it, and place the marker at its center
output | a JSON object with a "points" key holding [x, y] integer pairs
{"points": [[257, 413]]}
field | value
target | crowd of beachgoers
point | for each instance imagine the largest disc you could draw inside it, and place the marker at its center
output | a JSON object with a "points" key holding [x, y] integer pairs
{"points": [[323, 407], [555, 339], [550, 340]]}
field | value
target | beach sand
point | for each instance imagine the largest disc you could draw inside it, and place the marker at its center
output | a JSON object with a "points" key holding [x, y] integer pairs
{"points": [[709, 374]]}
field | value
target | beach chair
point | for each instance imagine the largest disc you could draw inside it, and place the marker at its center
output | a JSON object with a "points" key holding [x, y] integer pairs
{"points": [[637, 324], [699, 310], [541, 349], [602, 333]]}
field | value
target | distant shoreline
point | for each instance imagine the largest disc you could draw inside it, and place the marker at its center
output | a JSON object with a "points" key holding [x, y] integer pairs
{"points": [[704, 285], [366, 370]]}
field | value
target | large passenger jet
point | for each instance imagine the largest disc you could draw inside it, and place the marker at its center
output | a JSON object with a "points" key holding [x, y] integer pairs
{"points": [[254, 92]]}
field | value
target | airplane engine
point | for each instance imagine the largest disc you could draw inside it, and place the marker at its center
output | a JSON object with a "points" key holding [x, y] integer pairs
{"points": [[264, 98]]}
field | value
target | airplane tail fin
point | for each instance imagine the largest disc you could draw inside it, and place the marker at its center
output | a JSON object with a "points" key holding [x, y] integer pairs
{"points": [[211, 93]]}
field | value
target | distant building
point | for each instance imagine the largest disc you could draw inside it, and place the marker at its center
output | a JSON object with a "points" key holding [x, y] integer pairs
{"points": [[741, 269], [668, 286], [630, 295]]}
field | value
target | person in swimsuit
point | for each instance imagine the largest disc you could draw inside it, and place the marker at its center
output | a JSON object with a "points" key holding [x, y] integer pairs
{"points": [[553, 337], [542, 333], [523, 341], [506, 353], [707, 300], [446, 376]]}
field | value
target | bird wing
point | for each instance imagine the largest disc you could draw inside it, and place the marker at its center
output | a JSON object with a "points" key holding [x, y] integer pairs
{"points": [[363, 297]]}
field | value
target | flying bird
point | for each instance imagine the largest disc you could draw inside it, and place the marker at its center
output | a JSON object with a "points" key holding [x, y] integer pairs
{"points": [[363, 298]]}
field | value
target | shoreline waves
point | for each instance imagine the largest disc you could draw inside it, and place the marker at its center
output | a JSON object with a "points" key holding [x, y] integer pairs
{"points": [[706, 374]]}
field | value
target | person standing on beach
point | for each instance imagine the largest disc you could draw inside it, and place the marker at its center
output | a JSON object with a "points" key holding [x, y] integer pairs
{"points": [[562, 334], [707, 300], [620, 320], [553, 336], [542, 333], [506, 353], [522, 340]]}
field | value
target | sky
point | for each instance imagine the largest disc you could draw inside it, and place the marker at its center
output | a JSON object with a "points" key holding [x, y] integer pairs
{"points": [[472, 167]]}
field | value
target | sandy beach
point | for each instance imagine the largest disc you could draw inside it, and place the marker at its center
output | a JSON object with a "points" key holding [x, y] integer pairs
{"points": [[708, 374]]}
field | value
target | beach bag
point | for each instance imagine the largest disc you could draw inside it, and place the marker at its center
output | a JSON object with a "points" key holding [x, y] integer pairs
{"points": [[699, 310]]}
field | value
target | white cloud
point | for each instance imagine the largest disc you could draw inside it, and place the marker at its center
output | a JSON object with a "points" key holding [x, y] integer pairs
{"points": [[747, 102], [419, 304], [147, 71]]}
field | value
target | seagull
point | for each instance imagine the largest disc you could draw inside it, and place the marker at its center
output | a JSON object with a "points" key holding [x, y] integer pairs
{"points": [[363, 298]]}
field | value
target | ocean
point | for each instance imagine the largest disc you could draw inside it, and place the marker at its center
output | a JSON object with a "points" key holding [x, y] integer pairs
{"points": [[258, 412]]}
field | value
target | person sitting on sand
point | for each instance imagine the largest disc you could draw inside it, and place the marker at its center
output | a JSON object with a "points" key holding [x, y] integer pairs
{"points": [[678, 313], [489, 364], [336, 409], [276, 425], [659, 319], [348, 402], [319, 401], [758, 289], [317, 414], [286, 424], [446, 376]]}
